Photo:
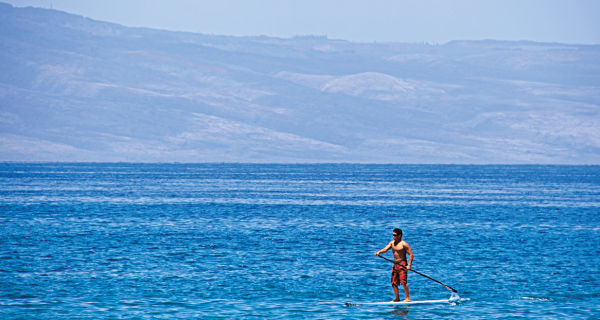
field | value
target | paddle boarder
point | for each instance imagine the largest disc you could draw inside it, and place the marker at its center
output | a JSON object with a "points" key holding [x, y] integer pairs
{"points": [[400, 268]]}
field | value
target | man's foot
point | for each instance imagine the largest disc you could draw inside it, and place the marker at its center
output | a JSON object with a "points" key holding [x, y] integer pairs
{"points": [[397, 300], [406, 300]]}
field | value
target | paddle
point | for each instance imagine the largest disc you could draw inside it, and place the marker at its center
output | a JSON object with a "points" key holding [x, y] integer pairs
{"points": [[447, 287]]}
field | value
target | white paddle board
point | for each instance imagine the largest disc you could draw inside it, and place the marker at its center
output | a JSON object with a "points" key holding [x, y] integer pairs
{"points": [[406, 303], [402, 303]]}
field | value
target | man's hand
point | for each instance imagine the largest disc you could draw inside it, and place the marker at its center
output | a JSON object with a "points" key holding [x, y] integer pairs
{"points": [[377, 254], [408, 267]]}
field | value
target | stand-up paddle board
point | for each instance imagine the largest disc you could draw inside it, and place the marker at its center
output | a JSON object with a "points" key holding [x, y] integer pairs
{"points": [[398, 303], [407, 303], [402, 303]]}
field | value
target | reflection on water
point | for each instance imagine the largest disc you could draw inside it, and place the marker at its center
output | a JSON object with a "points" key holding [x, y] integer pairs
{"points": [[401, 313]]}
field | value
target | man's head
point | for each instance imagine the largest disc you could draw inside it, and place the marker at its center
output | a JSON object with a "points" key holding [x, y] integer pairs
{"points": [[397, 234]]}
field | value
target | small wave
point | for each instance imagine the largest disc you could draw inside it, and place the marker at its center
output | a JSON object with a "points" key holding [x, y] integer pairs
{"points": [[535, 299]]}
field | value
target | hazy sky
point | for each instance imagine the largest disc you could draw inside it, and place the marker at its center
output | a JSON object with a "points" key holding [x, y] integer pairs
{"points": [[434, 21]]}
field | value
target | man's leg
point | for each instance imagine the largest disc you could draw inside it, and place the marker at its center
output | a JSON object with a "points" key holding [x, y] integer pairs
{"points": [[396, 293], [405, 285]]}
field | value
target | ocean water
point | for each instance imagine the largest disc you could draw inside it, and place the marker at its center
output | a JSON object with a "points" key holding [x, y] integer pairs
{"points": [[252, 241]]}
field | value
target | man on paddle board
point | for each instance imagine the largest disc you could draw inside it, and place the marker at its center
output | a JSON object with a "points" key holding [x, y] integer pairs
{"points": [[400, 268]]}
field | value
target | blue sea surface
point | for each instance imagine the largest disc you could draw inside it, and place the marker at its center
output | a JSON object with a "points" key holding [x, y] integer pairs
{"points": [[253, 241]]}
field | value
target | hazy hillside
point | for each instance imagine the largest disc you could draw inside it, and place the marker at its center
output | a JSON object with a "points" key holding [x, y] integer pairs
{"points": [[75, 89]]}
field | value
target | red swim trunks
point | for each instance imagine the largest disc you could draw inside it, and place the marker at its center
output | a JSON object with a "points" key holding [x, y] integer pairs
{"points": [[399, 274]]}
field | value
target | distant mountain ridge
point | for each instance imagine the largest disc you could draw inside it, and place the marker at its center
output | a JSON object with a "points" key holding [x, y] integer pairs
{"points": [[76, 89]]}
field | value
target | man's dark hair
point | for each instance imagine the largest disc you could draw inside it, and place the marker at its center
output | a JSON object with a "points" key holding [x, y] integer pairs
{"points": [[398, 232]]}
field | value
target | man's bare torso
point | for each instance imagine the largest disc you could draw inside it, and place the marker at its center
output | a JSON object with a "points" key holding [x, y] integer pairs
{"points": [[399, 250]]}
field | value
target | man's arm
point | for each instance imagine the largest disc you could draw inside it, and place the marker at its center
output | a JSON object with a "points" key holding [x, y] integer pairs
{"points": [[384, 250], [410, 255]]}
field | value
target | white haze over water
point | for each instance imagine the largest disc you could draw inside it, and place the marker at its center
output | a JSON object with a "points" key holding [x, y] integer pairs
{"points": [[362, 21]]}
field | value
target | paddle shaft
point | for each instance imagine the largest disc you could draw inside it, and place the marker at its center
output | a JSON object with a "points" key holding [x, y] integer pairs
{"points": [[428, 277]]}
